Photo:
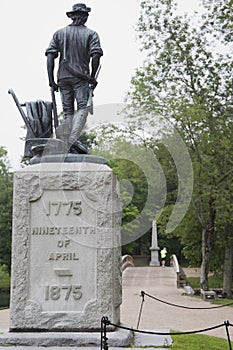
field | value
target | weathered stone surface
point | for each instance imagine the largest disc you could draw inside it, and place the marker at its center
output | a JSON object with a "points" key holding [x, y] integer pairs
{"points": [[66, 247], [75, 348], [143, 339], [117, 338]]}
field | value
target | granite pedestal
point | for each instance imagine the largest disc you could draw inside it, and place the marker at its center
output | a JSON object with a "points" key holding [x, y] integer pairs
{"points": [[66, 248]]}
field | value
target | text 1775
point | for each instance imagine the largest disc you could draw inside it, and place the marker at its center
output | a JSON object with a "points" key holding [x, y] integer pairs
{"points": [[63, 208]]}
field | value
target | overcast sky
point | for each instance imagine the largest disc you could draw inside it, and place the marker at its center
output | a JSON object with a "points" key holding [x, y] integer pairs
{"points": [[26, 29]]}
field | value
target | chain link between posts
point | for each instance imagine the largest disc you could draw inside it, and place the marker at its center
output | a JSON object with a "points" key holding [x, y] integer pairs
{"points": [[105, 322]]}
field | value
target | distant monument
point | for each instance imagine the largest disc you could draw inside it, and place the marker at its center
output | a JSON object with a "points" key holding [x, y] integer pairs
{"points": [[154, 246], [66, 246]]}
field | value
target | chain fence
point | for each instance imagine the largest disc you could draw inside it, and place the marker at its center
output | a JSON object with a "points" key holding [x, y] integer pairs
{"points": [[105, 322], [143, 294]]}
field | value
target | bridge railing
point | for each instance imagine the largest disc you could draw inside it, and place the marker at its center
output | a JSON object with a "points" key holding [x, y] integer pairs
{"points": [[127, 261], [180, 274]]}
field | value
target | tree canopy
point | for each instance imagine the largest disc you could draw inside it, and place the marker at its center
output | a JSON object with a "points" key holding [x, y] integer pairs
{"points": [[187, 78]]}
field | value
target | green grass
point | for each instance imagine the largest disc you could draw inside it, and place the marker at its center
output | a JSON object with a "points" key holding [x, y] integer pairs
{"points": [[215, 281], [223, 302], [198, 342], [4, 278]]}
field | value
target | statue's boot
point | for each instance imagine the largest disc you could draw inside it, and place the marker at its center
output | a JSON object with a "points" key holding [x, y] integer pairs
{"points": [[78, 123], [63, 133]]}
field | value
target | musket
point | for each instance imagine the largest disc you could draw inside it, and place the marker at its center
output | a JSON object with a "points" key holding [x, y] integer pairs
{"points": [[54, 107], [91, 94], [21, 111]]}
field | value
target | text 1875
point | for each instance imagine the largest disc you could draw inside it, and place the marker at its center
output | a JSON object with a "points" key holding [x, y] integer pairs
{"points": [[65, 292]]}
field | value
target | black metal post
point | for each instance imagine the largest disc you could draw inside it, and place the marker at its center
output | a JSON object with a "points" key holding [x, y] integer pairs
{"points": [[104, 338], [227, 324], [140, 312], [101, 332]]}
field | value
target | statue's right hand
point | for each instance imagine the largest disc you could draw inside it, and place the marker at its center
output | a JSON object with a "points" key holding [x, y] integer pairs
{"points": [[93, 83], [53, 85]]}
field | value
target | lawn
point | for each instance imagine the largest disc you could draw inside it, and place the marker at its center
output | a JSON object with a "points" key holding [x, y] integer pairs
{"points": [[215, 281], [228, 302], [198, 342], [4, 278]]}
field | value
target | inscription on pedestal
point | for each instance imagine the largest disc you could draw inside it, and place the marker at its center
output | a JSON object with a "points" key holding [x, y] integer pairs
{"points": [[65, 247], [62, 236]]}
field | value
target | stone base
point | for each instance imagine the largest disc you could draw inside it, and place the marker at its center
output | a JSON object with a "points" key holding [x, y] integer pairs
{"points": [[67, 158], [145, 340], [154, 256], [208, 295], [66, 249], [118, 338], [155, 263]]}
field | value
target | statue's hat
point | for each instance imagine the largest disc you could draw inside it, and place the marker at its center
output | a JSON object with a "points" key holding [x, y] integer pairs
{"points": [[78, 8]]}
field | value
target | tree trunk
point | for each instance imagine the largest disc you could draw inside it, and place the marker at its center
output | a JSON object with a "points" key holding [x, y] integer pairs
{"points": [[205, 261], [207, 239], [228, 270]]}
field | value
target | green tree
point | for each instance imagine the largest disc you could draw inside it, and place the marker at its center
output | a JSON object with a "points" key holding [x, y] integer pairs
{"points": [[224, 224], [142, 192], [186, 80], [220, 18], [6, 189], [145, 170]]}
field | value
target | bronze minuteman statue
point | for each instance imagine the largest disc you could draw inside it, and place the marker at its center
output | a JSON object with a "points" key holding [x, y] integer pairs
{"points": [[79, 52]]}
